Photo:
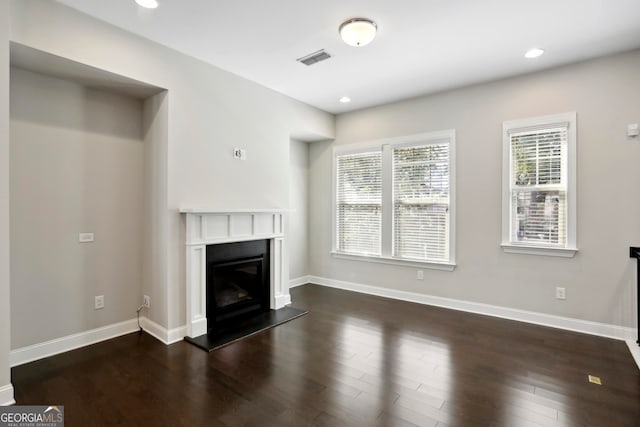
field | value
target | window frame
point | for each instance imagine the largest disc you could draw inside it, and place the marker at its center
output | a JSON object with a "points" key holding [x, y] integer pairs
{"points": [[386, 146], [569, 249]]}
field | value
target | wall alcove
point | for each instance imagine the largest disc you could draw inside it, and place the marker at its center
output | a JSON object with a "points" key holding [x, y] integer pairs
{"points": [[86, 146]]}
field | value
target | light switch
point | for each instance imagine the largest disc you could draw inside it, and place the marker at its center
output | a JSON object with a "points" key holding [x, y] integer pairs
{"points": [[632, 130], [85, 237]]}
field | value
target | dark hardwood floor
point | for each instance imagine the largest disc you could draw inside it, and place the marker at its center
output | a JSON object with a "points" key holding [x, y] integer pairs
{"points": [[354, 360]]}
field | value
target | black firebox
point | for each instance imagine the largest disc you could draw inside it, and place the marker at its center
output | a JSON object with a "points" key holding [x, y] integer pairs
{"points": [[237, 283]]}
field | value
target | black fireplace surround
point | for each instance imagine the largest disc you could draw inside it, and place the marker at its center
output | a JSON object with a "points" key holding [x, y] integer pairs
{"points": [[237, 276]]}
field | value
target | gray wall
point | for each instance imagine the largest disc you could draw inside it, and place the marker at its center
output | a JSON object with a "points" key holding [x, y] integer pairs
{"points": [[298, 237], [5, 341], [207, 112], [600, 279], [76, 166], [155, 244]]}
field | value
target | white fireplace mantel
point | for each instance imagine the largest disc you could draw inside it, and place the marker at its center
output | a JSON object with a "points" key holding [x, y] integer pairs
{"points": [[210, 227]]}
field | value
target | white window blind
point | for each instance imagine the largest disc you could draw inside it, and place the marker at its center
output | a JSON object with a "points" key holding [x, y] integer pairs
{"points": [[421, 202], [358, 203], [538, 186]]}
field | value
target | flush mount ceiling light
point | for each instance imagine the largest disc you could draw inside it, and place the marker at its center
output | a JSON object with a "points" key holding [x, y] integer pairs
{"points": [[534, 53], [345, 99], [358, 31], [149, 4]]}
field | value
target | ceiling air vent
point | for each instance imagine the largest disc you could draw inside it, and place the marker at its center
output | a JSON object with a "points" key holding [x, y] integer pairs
{"points": [[314, 57]]}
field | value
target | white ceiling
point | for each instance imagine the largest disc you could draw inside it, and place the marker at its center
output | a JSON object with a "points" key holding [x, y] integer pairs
{"points": [[422, 46]]}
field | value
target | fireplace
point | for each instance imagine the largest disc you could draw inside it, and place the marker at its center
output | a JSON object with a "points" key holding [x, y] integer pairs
{"points": [[237, 283], [207, 228]]}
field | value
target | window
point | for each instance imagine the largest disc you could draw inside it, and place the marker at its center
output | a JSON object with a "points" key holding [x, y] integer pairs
{"points": [[393, 201], [359, 203], [539, 185], [421, 202]]}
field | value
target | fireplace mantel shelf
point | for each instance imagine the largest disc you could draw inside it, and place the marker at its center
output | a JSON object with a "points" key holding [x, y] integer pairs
{"points": [[230, 211]]}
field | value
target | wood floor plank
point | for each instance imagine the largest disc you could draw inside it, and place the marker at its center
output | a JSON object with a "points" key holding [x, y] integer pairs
{"points": [[354, 360]]}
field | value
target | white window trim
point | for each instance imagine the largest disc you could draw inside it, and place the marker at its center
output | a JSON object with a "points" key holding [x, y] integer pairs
{"points": [[385, 146], [446, 266], [570, 248]]}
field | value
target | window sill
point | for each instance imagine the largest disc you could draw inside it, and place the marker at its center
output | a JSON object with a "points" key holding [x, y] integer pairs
{"points": [[445, 266], [539, 250]]}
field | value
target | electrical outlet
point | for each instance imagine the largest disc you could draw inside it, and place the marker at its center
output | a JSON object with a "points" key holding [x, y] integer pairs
{"points": [[419, 275], [146, 301], [99, 302], [561, 293]]}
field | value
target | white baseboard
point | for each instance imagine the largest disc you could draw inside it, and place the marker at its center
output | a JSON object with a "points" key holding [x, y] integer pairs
{"points": [[162, 334], [303, 280], [567, 323], [34, 352], [30, 353], [198, 327], [6, 395], [634, 348], [282, 300]]}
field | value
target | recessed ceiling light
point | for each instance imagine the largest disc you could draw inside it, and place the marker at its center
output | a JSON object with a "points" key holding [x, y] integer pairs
{"points": [[533, 53], [149, 4], [345, 99]]}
